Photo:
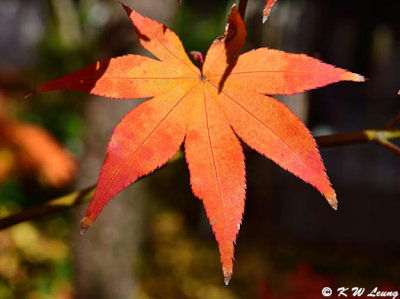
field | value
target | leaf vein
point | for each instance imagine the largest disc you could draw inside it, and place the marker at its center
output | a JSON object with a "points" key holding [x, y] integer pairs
{"points": [[214, 163], [266, 126], [131, 156], [173, 54]]}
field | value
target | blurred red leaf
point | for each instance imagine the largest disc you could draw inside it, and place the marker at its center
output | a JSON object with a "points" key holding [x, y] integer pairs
{"points": [[302, 284], [29, 148]]}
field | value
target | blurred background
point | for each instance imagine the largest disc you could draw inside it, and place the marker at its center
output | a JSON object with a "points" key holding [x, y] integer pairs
{"points": [[154, 240]]}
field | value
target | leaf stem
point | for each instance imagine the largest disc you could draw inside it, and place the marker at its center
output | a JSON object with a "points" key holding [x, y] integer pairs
{"points": [[380, 136], [242, 8]]}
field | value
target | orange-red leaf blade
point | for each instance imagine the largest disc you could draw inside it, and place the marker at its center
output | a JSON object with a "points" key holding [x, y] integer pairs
{"points": [[271, 71], [272, 129], [161, 42], [145, 139], [224, 50], [130, 76], [217, 171]]}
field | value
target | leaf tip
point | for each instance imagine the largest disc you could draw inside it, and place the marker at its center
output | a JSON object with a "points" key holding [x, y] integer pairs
{"points": [[127, 9], [85, 224], [234, 11], [267, 9], [359, 78], [332, 200], [227, 276], [353, 77]]}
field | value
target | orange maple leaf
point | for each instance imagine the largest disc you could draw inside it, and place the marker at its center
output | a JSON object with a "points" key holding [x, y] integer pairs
{"points": [[205, 109]]}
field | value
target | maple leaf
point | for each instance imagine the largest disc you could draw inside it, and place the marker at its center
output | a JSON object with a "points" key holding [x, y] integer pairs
{"points": [[205, 109]]}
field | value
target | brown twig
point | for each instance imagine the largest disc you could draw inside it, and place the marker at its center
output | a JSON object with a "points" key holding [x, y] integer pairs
{"points": [[56, 205], [394, 121], [381, 137], [388, 145]]}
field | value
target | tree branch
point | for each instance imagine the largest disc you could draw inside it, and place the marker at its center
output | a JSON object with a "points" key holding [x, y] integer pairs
{"points": [[379, 136], [66, 202], [389, 146], [394, 121], [242, 8], [56, 205]]}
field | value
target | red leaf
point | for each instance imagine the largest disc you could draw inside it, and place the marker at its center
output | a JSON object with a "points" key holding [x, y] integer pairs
{"points": [[208, 107]]}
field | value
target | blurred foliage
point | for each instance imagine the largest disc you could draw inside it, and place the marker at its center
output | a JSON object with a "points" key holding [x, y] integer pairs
{"points": [[29, 149], [179, 256], [35, 259], [198, 26]]}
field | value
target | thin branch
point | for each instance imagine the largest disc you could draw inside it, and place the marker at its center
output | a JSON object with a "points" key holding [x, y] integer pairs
{"points": [[56, 205], [379, 136], [66, 202], [394, 121], [389, 145]]}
